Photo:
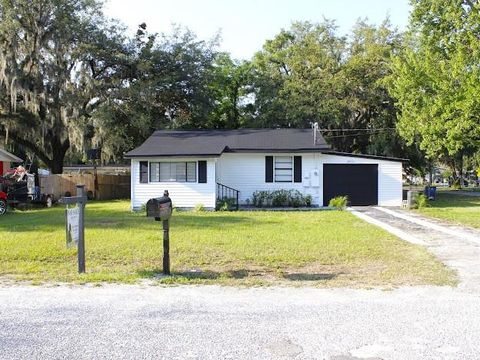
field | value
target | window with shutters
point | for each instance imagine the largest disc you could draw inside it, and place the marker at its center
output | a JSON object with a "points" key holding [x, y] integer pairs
{"points": [[173, 172], [283, 168]]}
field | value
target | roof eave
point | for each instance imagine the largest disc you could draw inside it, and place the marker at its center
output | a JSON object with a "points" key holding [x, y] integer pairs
{"points": [[375, 157], [256, 150], [126, 156]]}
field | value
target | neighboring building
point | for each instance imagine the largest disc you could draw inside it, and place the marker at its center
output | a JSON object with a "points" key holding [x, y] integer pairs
{"points": [[6, 159], [195, 166]]}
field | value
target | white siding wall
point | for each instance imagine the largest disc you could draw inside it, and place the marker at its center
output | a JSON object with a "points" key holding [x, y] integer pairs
{"points": [[246, 173], [186, 194]]}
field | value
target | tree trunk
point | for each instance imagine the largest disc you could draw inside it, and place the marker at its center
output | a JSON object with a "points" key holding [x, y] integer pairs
{"points": [[57, 167], [461, 171], [236, 115], [59, 149]]}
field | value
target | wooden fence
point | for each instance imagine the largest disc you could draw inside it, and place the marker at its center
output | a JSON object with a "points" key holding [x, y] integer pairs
{"points": [[109, 186]]}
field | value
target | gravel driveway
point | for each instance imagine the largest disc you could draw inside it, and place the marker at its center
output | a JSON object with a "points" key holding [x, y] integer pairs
{"points": [[208, 322], [456, 246]]}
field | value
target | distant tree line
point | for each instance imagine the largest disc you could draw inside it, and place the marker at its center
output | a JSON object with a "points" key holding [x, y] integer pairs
{"points": [[72, 79]]}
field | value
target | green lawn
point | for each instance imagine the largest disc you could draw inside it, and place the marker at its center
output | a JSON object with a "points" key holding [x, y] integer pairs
{"points": [[469, 189], [325, 248], [455, 208]]}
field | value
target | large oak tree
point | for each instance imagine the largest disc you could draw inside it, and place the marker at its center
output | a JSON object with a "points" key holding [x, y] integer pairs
{"points": [[58, 61]]}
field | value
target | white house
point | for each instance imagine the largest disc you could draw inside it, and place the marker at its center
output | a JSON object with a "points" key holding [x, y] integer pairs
{"points": [[196, 167]]}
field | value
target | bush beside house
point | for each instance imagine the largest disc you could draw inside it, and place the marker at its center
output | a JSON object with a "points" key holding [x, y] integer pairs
{"points": [[281, 198], [339, 202]]}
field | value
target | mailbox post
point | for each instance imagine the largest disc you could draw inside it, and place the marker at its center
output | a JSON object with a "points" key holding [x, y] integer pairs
{"points": [[161, 209], [166, 247]]}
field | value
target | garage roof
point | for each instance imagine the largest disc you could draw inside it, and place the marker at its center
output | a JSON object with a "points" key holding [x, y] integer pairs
{"points": [[215, 142], [388, 158]]}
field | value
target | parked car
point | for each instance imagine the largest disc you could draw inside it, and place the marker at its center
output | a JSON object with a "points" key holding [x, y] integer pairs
{"points": [[3, 203], [18, 189]]}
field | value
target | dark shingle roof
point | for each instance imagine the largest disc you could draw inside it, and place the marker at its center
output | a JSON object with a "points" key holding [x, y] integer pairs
{"points": [[215, 142]]}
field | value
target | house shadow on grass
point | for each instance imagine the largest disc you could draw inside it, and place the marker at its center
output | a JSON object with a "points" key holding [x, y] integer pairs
{"points": [[309, 276], [183, 221], [201, 275], [216, 221], [238, 274]]}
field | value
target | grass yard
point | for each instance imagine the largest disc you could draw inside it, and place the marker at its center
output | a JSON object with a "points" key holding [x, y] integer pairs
{"points": [[324, 248], [458, 209], [468, 189]]}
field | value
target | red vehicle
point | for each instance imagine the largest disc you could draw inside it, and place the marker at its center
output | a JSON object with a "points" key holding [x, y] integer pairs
{"points": [[3, 203]]}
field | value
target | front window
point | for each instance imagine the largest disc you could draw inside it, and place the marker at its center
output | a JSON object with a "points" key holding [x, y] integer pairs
{"points": [[173, 172], [283, 169]]}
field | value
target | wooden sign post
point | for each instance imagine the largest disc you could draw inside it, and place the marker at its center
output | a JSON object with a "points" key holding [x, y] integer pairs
{"points": [[166, 247], [75, 223], [161, 209]]}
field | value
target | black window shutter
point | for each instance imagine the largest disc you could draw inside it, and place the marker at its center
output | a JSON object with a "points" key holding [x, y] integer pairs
{"points": [[297, 169], [202, 171], [268, 169], [144, 172]]}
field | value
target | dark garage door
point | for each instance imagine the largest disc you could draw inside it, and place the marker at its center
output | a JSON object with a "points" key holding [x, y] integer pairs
{"points": [[358, 181]]}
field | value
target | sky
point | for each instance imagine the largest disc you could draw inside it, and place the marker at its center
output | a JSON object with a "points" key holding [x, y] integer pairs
{"points": [[244, 25]]}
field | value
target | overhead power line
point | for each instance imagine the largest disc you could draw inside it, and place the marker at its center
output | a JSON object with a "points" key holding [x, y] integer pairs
{"points": [[357, 134]]}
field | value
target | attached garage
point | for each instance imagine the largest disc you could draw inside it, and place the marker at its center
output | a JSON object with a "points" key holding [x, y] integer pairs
{"points": [[365, 179], [357, 181]]}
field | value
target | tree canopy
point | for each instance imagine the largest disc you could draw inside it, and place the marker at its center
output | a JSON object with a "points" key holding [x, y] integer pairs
{"points": [[436, 80], [58, 62], [167, 85], [72, 79]]}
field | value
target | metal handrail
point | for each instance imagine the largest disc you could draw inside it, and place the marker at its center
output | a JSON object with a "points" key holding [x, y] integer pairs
{"points": [[228, 187], [226, 191]]}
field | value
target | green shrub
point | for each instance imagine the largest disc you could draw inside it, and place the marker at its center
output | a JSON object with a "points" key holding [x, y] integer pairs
{"points": [[308, 200], [226, 204], [421, 201], [296, 202], [338, 202], [280, 198], [199, 208], [262, 198]]}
